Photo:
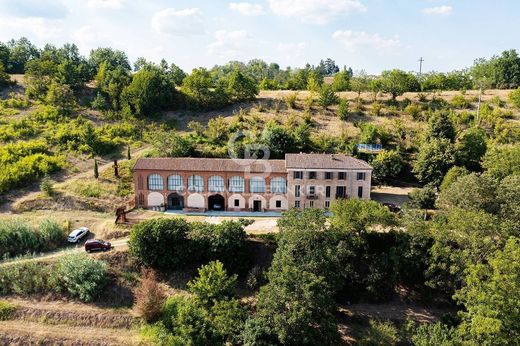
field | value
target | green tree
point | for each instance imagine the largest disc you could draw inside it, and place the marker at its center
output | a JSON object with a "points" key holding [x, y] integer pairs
{"points": [[343, 111], [149, 92], [111, 81], [96, 170], [341, 81], [470, 192], [171, 144], [62, 97], [21, 51], [112, 59], [435, 158], [514, 97], [508, 195], [470, 148], [357, 215], [327, 97], [241, 87], [423, 198], [490, 298], [213, 284], [502, 160], [201, 92], [452, 175], [359, 83], [387, 164], [5, 79], [278, 140], [397, 82], [161, 243], [440, 126]]}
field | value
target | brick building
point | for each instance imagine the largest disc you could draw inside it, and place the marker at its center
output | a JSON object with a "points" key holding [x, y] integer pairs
{"points": [[301, 181]]}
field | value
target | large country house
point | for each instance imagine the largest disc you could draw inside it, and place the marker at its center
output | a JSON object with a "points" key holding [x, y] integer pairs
{"points": [[201, 184]]}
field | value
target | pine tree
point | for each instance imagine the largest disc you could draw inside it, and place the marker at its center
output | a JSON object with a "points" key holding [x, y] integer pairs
{"points": [[128, 156]]}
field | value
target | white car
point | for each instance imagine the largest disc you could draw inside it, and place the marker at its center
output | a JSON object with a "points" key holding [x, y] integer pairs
{"points": [[78, 234]]}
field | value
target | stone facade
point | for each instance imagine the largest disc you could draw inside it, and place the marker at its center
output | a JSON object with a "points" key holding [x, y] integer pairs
{"points": [[301, 181]]}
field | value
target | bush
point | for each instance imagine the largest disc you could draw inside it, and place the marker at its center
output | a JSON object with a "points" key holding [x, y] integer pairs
{"points": [[514, 97], [6, 310], [376, 109], [459, 101], [46, 186], [422, 198], [81, 276], [342, 111], [24, 278], [414, 110], [434, 334], [290, 100], [212, 284], [149, 296], [18, 237], [379, 334], [161, 243]]}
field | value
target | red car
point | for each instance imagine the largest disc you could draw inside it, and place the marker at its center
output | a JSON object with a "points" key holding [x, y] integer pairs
{"points": [[96, 244]]}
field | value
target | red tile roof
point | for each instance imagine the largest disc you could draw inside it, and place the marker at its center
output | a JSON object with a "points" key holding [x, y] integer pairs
{"points": [[324, 161], [210, 165]]}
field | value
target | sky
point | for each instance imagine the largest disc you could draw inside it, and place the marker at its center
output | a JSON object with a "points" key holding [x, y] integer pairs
{"points": [[373, 35]]}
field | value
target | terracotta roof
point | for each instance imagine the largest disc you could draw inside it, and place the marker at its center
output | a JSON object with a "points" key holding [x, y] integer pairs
{"points": [[324, 161], [210, 165]]}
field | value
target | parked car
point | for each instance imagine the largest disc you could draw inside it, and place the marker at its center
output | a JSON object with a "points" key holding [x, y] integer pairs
{"points": [[78, 234], [97, 244], [392, 207]]}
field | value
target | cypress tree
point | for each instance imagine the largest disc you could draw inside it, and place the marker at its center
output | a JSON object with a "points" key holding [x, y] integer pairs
{"points": [[96, 172]]}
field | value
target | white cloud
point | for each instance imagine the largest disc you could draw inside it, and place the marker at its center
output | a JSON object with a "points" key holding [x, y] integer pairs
{"points": [[105, 4], [247, 8], [230, 44], [352, 40], [42, 29], [315, 11], [178, 22], [291, 49], [438, 10]]}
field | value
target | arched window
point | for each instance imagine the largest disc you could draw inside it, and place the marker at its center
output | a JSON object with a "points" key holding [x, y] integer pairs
{"points": [[175, 183], [216, 184], [155, 182], [195, 183], [257, 184], [278, 185], [236, 184]]}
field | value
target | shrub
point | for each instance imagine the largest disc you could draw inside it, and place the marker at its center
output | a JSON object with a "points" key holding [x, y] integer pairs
{"points": [[24, 278], [81, 276], [514, 97], [6, 310], [387, 164], [161, 243], [149, 296], [342, 111], [414, 110], [422, 198], [327, 97], [379, 333], [51, 234], [290, 100], [213, 283], [434, 334], [376, 109], [459, 101], [88, 188], [46, 186]]}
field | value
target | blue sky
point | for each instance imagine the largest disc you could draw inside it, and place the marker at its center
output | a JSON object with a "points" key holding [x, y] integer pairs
{"points": [[365, 34]]}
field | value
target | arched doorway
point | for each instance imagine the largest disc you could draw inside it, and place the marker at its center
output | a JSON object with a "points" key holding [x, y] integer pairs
{"points": [[175, 201], [216, 202]]}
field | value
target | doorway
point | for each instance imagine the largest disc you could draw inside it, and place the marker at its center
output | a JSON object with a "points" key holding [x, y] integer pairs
{"points": [[216, 202], [257, 205], [175, 201]]}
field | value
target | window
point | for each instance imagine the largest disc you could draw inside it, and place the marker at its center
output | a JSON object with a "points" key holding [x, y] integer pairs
{"points": [[257, 184], [175, 183], [296, 204], [327, 204], [327, 191], [195, 183], [278, 204], [278, 185], [361, 176], [312, 175], [236, 184], [312, 190], [311, 204], [341, 191], [216, 184], [296, 190], [360, 191], [342, 175], [155, 182], [140, 182], [328, 175], [298, 175], [237, 202]]}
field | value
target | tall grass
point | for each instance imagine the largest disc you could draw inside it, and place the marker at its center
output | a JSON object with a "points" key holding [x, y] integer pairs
{"points": [[18, 237]]}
